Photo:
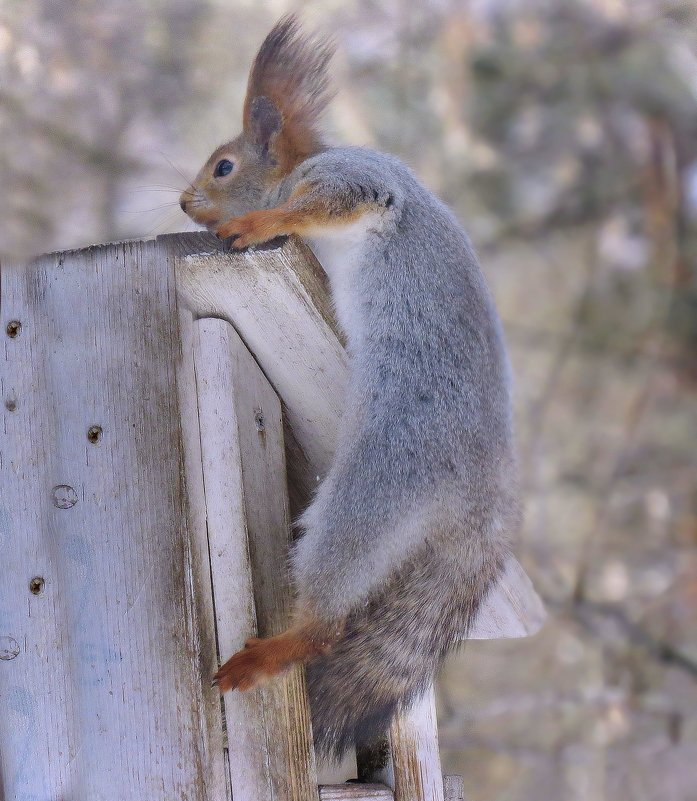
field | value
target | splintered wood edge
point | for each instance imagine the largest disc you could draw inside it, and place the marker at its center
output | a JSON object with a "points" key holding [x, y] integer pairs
{"points": [[413, 769], [312, 394]]}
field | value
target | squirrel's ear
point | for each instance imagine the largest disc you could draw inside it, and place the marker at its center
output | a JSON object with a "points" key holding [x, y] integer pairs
{"points": [[265, 121]]}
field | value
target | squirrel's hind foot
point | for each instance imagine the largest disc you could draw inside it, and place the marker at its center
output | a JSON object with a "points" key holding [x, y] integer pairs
{"points": [[248, 668], [263, 658]]}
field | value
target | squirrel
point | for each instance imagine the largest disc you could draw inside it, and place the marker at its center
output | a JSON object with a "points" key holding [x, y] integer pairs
{"points": [[411, 526]]}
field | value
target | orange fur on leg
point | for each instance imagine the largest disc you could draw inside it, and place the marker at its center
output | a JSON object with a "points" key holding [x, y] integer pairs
{"points": [[300, 214], [255, 227], [263, 658]]}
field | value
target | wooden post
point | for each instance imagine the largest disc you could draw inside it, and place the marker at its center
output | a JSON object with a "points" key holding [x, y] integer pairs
{"points": [[414, 770], [241, 434], [144, 524], [102, 688]]}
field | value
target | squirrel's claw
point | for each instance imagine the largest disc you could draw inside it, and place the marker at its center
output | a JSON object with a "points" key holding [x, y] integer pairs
{"points": [[250, 229], [237, 231], [230, 241]]}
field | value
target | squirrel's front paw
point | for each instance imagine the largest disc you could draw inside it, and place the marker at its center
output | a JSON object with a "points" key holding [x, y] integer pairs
{"points": [[250, 229]]}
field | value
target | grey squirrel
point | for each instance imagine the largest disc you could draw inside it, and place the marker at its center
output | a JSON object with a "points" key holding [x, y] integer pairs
{"points": [[410, 528]]}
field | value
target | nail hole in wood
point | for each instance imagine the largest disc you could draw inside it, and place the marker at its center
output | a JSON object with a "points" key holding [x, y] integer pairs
{"points": [[13, 328], [94, 434], [9, 648], [259, 420], [11, 405], [63, 496], [36, 585]]}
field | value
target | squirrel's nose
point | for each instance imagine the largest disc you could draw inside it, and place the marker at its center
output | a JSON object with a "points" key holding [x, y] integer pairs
{"points": [[182, 204]]}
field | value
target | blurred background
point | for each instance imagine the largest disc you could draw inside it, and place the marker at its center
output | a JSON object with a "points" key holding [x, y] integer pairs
{"points": [[564, 134]]}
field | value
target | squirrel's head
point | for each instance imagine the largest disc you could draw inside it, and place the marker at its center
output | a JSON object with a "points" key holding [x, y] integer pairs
{"points": [[286, 95]]}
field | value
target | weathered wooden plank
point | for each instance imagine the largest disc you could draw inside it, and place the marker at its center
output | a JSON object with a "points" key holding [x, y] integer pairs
{"points": [[276, 300], [453, 787], [101, 697], [355, 792], [226, 552], [512, 609], [270, 745], [199, 576], [414, 771]]}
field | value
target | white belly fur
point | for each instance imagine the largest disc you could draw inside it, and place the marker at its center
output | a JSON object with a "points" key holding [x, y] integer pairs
{"points": [[341, 251]]}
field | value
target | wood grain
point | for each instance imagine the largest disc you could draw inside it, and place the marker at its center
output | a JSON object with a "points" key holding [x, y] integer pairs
{"points": [[269, 735], [355, 792], [226, 551], [413, 770], [276, 300], [104, 697], [199, 568]]}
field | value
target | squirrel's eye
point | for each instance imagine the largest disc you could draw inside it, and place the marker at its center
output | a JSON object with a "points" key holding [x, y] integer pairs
{"points": [[223, 167]]}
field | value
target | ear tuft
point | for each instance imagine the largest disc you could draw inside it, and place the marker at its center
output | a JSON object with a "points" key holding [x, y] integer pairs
{"points": [[289, 75], [264, 121]]}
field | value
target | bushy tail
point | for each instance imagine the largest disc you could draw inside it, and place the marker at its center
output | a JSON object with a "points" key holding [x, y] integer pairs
{"points": [[392, 649]]}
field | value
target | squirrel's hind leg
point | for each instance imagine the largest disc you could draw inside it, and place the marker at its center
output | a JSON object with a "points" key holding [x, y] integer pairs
{"points": [[266, 657]]}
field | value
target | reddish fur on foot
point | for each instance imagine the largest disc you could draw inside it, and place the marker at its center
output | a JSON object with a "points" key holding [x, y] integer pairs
{"points": [[263, 658]]}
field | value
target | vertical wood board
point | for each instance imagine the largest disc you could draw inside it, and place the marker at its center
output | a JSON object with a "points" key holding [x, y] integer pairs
{"points": [[413, 770], [199, 571], [100, 686], [275, 300], [269, 735]]}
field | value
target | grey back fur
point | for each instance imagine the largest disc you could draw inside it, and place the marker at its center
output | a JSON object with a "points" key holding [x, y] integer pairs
{"points": [[425, 447]]}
